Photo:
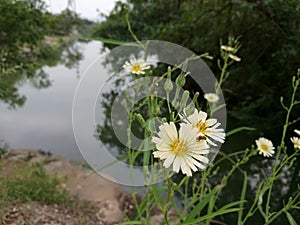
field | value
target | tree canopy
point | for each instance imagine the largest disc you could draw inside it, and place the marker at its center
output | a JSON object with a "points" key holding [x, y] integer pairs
{"points": [[27, 43], [268, 31]]}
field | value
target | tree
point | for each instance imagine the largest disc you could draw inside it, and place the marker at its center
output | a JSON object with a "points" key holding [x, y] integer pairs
{"points": [[269, 32]]}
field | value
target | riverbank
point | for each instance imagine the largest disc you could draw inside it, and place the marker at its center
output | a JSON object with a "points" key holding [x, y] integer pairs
{"points": [[90, 198], [37, 188]]}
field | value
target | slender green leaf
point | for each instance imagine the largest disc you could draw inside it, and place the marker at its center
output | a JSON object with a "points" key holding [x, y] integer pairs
{"points": [[107, 41], [112, 163], [231, 204], [243, 194], [131, 223], [290, 218], [239, 129], [202, 203], [211, 215]]}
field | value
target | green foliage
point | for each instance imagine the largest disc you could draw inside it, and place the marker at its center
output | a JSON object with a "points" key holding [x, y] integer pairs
{"points": [[25, 45], [31, 184], [204, 199], [65, 22], [3, 148], [269, 33], [21, 22]]}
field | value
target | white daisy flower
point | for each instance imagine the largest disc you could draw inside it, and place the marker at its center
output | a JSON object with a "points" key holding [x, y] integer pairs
{"points": [[297, 131], [234, 57], [265, 147], [227, 48], [296, 142], [211, 97], [136, 67], [180, 149], [207, 128]]}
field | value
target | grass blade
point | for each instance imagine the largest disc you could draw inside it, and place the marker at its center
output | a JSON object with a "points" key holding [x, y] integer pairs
{"points": [[211, 215], [243, 194], [107, 41], [197, 209], [132, 223], [239, 129], [290, 218]]}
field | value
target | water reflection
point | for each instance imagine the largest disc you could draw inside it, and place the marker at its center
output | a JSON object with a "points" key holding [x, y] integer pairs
{"points": [[31, 68], [44, 121]]}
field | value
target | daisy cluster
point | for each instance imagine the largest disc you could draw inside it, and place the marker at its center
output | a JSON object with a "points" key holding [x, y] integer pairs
{"points": [[265, 147], [231, 51], [187, 148]]}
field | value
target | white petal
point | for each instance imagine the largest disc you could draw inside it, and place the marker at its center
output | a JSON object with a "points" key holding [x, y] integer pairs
{"points": [[202, 116], [169, 160], [171, 131], [187, 132], [211, 122], [186, 170], [201, 158], [177, 163]]}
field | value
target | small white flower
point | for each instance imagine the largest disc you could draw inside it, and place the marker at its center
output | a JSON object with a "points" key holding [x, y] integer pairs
{"points": [[227, 48], [234, 57], [265, 147], [296, 142], [180, 149], [297, 131], [211, 97], [136, 67], [207, 128]]}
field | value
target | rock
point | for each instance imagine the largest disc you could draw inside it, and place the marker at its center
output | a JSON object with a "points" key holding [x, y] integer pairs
{"points": [[158, 219], [110, 212], [84, 183], [127, 204], [28, 155]]}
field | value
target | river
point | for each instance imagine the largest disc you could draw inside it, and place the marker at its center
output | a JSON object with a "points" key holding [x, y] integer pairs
{"points": [[45, 120]]}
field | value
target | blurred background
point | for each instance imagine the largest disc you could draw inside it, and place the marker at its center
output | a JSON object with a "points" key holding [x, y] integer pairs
{"points": [[45, 47]]}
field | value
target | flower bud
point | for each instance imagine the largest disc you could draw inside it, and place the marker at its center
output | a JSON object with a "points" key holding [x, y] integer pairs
{"points": [[180, 80], [189, 110], [141, 120], [184, 99], [168, 86]]}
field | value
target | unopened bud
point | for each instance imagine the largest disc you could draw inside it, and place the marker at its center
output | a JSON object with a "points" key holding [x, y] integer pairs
{"points": [[184, 99], [164, 120], [180, 80], [195, 96], [141, 120], [168, 86], [189, 110]]}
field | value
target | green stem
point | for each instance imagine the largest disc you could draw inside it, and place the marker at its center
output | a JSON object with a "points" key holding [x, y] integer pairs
{"points": [[222, 76], [287, 119], [131, 32], [287, 207]]}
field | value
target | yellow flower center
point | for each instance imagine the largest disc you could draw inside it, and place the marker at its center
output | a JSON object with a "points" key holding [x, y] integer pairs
{"points": [[201, 127], [179, 147], [264, 147], [136, 68]]}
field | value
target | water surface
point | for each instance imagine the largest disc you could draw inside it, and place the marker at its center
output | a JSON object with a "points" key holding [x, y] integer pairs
{"points": [[45, 120]]}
